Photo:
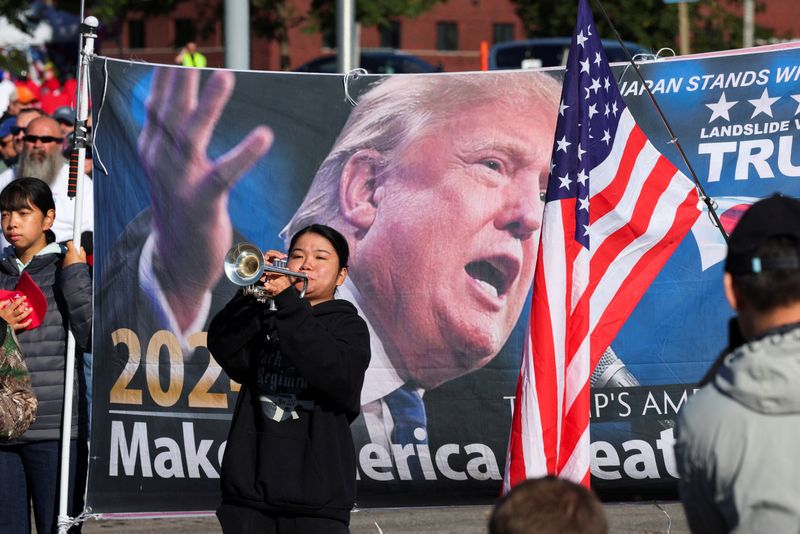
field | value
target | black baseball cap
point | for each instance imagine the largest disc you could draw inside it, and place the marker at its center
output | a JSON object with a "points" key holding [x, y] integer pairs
{"points": [[775, 216]]}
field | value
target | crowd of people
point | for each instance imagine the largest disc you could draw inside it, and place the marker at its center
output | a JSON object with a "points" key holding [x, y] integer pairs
{"points": [[22, 100]]}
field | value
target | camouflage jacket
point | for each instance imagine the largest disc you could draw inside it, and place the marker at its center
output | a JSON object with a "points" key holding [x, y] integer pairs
{"points": [[17, 402]]}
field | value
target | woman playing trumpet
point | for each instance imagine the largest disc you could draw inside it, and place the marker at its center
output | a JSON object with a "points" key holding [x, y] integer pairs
{"points": [[289, 464]]}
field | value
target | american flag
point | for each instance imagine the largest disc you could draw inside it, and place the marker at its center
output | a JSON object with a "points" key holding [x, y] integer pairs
{"points": [[615, 210]]}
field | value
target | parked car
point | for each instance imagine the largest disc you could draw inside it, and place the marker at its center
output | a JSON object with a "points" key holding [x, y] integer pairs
{"points": [[550, 52], [376, 62]]}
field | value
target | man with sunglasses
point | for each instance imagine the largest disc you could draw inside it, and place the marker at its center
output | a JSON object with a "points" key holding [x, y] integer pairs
{"points": [[23, 119], [41, 157]]}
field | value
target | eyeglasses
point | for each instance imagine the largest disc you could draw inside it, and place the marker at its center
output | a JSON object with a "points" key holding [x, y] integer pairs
{"points": [[43, 138], [16, 130]]}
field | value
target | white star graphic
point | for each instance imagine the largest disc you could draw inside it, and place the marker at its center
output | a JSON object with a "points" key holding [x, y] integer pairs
{"points": [[588, 30], [584, 203], [614, 109], [561, 108], [606, 137], [585, 230], [595, 85], [581, 151], [593, 110], [763, 104], [606, 83], [552, 166], [581, 39], [565, 181], [797, 99], [721, 108], [582, 177], [585, 65], [597, 59], [608, 110], [563, 144]]}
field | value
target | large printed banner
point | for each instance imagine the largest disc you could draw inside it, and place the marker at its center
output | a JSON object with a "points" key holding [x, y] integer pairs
{"points": [[436, 181]]}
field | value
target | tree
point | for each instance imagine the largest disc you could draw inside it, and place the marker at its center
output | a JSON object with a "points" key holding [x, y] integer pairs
{"points": [[652, 23]]}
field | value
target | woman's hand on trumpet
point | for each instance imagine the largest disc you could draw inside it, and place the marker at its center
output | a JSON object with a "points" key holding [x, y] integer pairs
{"points": [[273, 282]]}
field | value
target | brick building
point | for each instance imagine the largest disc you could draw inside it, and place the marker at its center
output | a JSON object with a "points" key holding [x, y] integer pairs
{"points": [[449, 35]]}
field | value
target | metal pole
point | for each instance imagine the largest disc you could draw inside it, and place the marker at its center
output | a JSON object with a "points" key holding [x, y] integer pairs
{"points": [[237, 34], [89, 32], [683, 27], [345, 20], [749, 23]]}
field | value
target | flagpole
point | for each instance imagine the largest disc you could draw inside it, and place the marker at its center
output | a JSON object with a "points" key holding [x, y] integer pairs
{"points": [[673, 138], [89, 33]]}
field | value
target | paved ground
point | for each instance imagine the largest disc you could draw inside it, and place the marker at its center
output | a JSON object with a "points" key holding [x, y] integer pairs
{"points": [[645, 517]]}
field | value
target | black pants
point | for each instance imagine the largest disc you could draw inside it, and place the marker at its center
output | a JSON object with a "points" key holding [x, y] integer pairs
{"points": [[242, 520]]}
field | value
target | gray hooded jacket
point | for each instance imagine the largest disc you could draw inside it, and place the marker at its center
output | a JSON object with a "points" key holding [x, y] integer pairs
{"points": [[738, 441]]}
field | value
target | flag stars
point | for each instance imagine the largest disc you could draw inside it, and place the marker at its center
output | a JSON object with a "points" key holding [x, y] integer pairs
{"points": [[593, 110], [597, 59], [585, 230], [606, 83], [721, 108], [582, 177], [581, 39], [614, 109], [565, 182], [581, 151], [763, 104], [595, 85], [606, 137], [585, 65], [608, 110], [562, 107], [584, 203], [563, 144]]}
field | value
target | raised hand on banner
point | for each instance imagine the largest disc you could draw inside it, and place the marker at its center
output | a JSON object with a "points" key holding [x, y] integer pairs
{"points": [[189, 192]]}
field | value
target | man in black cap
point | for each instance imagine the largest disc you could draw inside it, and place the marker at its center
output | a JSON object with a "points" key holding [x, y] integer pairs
{"points": [[737, 436]]}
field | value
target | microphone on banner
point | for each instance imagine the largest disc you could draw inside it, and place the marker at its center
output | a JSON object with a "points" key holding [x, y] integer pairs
{"points": [[611, 372]]}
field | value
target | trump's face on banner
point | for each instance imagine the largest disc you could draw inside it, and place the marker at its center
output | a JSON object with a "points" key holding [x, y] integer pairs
{"points": [[450, 250], [444, 209]]}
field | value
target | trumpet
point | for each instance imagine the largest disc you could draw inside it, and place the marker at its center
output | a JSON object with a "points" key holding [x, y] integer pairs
{"points": [[244, 265]]}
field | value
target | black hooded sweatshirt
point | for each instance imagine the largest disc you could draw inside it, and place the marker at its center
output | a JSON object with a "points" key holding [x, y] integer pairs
{"points": [[304, 365]]}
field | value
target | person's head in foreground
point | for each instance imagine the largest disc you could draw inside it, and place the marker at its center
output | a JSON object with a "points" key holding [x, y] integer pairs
{"points": [[548, 505], [437, 183], [762, 269]]}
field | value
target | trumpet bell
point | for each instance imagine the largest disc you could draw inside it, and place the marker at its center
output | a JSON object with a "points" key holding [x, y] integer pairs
{"points": [[244, 264]]}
